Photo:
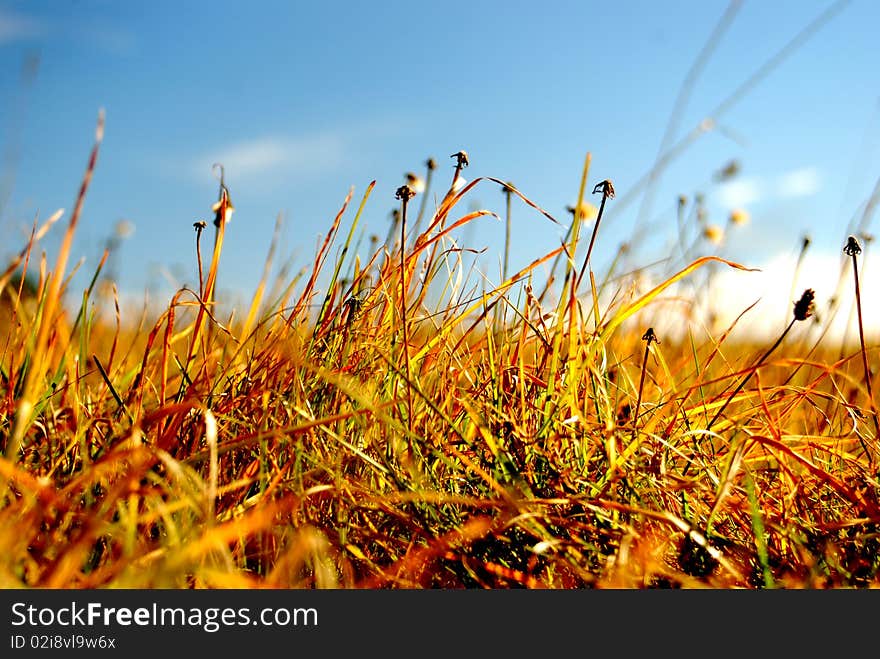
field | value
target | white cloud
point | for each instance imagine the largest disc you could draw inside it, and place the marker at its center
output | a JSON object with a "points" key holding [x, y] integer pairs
{"points": [[16, 27], [252, 157], [741, 192], [799, 183], [263, 156], [745, 191]]}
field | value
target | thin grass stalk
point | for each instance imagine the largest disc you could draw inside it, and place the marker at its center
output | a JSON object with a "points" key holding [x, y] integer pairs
{"points": [[681, 102], [649, 337], [853, 249], [758, 531], [573, 233], [710, 120], [117, 326], [568, 295], [392, 230], [24, 254], [113, 392], [317, 266], [749, 375], [199, 227], [331, 286], [405, 193], [52, 302], [222, 210], [453, 195], [607, 191], [508, 193], [803, 309], [461, 161], [430, 165], [257, 300]]}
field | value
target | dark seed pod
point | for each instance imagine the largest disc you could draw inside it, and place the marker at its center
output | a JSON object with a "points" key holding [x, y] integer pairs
{"points": [[461, 158], [852, 246], [405, 193], [803, 308], [605, 188]]}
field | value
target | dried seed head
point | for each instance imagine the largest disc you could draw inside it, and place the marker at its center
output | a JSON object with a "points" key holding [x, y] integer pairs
{"points": [[123, 229], [806, 243], [714, 234], [416, 183], [431, 164], [224, 202], [585, 212], [852, 246], [650, 337], [804, 307], [605, 188], [682, 201], [739, 217], [405, 193], [199, 226], [508, 187], [729, 170], [461, 159]]}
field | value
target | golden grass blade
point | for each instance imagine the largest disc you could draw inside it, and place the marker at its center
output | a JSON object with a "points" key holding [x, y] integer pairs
{"points": [[319, 258], [257, 300], [448, 327], [627, 312], [36, 236], [52, 302]]}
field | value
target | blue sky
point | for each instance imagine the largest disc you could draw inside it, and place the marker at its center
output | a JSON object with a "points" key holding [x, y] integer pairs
{"points": [[301, 101]]}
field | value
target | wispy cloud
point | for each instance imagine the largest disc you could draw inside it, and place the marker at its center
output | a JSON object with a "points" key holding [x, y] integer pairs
{"points": [[799, 183], [17, 27], [744, 191], [259, 157]]}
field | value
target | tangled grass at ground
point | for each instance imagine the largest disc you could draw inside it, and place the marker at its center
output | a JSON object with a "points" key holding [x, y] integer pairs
{"points": [[384, 422]]}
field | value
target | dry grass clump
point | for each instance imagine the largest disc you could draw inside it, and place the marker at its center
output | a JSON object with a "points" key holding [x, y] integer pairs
{"points": [[392, 420]]}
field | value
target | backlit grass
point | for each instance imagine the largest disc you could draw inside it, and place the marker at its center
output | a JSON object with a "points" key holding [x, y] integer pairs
{"points": [[391, 419]]}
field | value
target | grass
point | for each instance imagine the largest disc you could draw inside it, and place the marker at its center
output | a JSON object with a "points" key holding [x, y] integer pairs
{"points": [[424, 429]]}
